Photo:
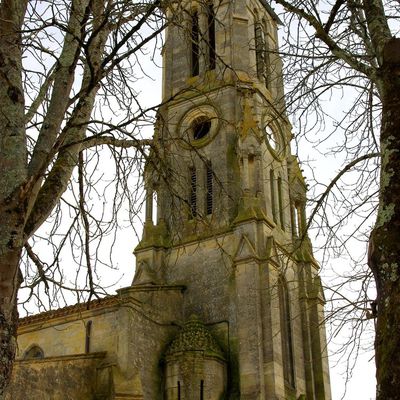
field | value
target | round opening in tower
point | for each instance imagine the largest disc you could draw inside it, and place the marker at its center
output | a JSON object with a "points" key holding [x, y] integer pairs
{"points": [[200, 127], [272, 137]]}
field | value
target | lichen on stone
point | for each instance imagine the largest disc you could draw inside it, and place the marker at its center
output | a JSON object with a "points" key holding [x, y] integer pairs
{"points": [[385, 215], [194, 336]]}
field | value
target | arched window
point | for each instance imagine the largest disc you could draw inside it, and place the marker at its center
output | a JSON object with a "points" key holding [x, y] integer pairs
{"points": [[273, 199], [155, 213], [280, 203], [211, 36], [267, 63], [262, 52], [195, 45], [295, 221], [286, 332], [298, 223], [259, 38], [34, 353]]}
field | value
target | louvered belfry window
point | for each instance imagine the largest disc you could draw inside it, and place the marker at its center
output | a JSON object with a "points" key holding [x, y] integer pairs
{"points": [[193, 192], [209, 189]]}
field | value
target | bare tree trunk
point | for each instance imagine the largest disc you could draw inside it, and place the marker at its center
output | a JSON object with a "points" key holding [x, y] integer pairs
{"points": [[9, 284], [13, 173], [384, 257]]}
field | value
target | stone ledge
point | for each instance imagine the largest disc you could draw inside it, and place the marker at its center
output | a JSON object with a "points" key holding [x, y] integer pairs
{"points": [[72, 357], [69, 310]]}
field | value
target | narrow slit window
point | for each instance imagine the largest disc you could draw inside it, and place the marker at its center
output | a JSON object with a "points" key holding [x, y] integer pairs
{"points": [[155, 208], [286, 333], [267, 61], [299, 220], [211, 36], [272, 188], [260, 49], [201, 390], [280, 203], [193, 192], [88, 335], [179, 390], [209, 189], [267, 72], [195, 44], [295, 221]]}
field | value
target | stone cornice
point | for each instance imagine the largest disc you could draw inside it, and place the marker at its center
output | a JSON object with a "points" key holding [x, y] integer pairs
{"points": [[271, 12], [69, 310], [70, 357]]}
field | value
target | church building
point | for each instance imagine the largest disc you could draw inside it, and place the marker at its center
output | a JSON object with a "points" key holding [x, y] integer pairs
{"points": [[226, 301]]}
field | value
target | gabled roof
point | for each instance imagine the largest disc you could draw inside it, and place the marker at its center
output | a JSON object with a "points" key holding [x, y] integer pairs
{"points": [[271, 11]]}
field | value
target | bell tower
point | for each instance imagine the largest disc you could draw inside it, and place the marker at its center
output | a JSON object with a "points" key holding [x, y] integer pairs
{"points": [[225, 212]]}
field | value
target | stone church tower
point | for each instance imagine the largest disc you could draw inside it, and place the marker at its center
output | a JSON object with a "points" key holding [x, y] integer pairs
{"points": [[230, 206], [226, 302]]}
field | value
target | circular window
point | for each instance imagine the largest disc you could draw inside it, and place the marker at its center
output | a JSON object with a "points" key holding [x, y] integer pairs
{"points": [[274, 138], [200, 127], [271, 137]]}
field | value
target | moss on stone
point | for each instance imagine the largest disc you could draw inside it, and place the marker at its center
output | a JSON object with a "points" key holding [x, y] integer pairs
{"points": [[194, 336], [154, 236], [249, 209]]}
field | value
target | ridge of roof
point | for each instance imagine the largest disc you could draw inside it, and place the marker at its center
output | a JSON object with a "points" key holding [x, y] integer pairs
{"points": [[69, 310]]}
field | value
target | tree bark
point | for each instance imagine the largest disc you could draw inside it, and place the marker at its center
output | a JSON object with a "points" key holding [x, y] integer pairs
{"points": [[10, 279], [30, 191], [384, 255], [13, 174]]}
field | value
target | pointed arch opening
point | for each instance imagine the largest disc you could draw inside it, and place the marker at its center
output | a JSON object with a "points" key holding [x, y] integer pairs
{"points": [[273, 195], [34, 352], [267, 62], [260, 49], [286, 333], [280, 204], [211, 36], [195, 45]]}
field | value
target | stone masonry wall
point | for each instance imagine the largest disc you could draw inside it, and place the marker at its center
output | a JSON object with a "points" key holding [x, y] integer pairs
{"points": [[55, 378]]}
